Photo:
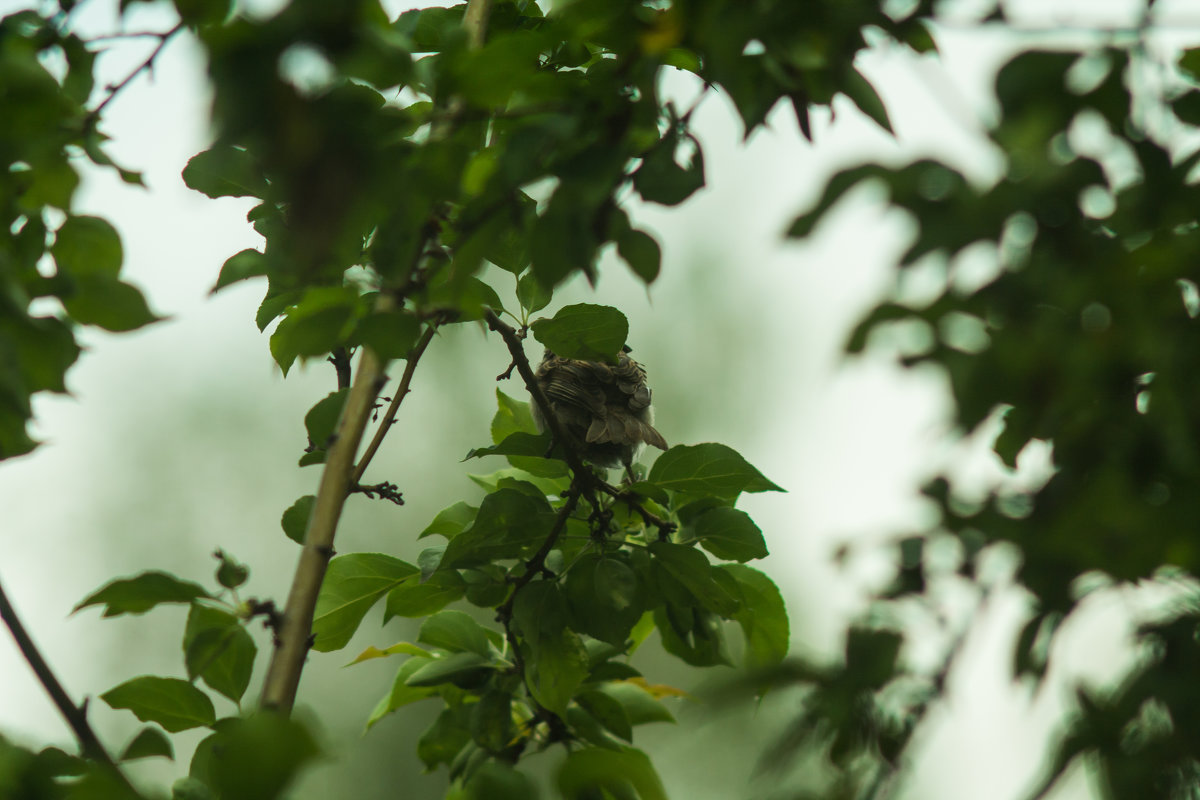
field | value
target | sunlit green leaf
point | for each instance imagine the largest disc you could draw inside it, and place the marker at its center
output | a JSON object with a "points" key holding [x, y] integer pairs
{"points": [[353, 583]]}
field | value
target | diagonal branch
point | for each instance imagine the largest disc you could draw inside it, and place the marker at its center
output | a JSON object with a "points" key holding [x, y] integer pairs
{"points": [[389, 416], [75, 716], [148, 64]]}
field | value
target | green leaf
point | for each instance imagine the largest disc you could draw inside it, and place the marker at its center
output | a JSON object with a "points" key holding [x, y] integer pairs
{"points": [[444, 739], [608, 711], [295, 520], [694, 635], [248, 263], [586, 771], [321, 420], [866, 98], [149, 743], [689, 566], [225, 171], [88, 247], [258, 757], [496, 780], [729, 533], [108, 304], [604, 598], [556, 669], [492, 721], [762, 617], [508, 522], [516, 444], [218, 649], [641, 253], [457, 632], [1187, 107], [584, 330], [391, 334], [414, 598], [1189, 61], [139, 594], [401, 694], [174, 704], [531, 294], [323, 319], [353, 584], [708, 469], [451, 521], [539, 610], [512, 416], [641, 707], [430, 28], [460, 669], [661, 179]]}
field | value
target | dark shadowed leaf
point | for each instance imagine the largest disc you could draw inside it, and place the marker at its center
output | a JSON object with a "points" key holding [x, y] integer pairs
{"points": [[218, 649], [149, 743], [225, 171], [295, 519], [140, 594]]}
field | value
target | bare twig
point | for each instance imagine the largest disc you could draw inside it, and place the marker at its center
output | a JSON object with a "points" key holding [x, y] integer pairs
{"points": [[340, 358], [75, 716], [384, 491], [117, 88], [389, 416]]}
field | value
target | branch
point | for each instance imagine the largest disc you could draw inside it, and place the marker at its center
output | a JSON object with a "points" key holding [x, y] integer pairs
{"points": [[294, 633], [75, 716], [389, 417], [534, 567], [295, 630], [116, 89]]}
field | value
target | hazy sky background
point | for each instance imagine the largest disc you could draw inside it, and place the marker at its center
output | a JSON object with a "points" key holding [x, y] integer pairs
{"points": [[183, 437]]}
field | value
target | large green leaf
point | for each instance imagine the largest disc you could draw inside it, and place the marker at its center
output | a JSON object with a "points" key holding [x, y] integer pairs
{"points": [[586, 771], [225, 171], [728, 533], [584, 330], [353, 584], [218, 649], [174, 704], [139, 594], [708, 469], [762, 616]]}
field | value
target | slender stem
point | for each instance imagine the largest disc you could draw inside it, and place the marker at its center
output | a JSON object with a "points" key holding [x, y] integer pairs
{"points": [[116, 89], [534, 567], [389, 416], [295, 630], [75, 716]]}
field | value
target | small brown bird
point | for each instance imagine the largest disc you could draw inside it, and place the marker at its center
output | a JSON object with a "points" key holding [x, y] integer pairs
{"points": [[604, 407]]}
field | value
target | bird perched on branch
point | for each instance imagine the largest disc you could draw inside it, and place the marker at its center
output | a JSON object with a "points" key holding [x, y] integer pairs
{"points": [[604, 407]]}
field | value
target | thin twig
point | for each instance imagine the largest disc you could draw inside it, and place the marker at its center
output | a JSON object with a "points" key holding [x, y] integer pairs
{"points": [[389, 416], [116, 89], [75, 716]]}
